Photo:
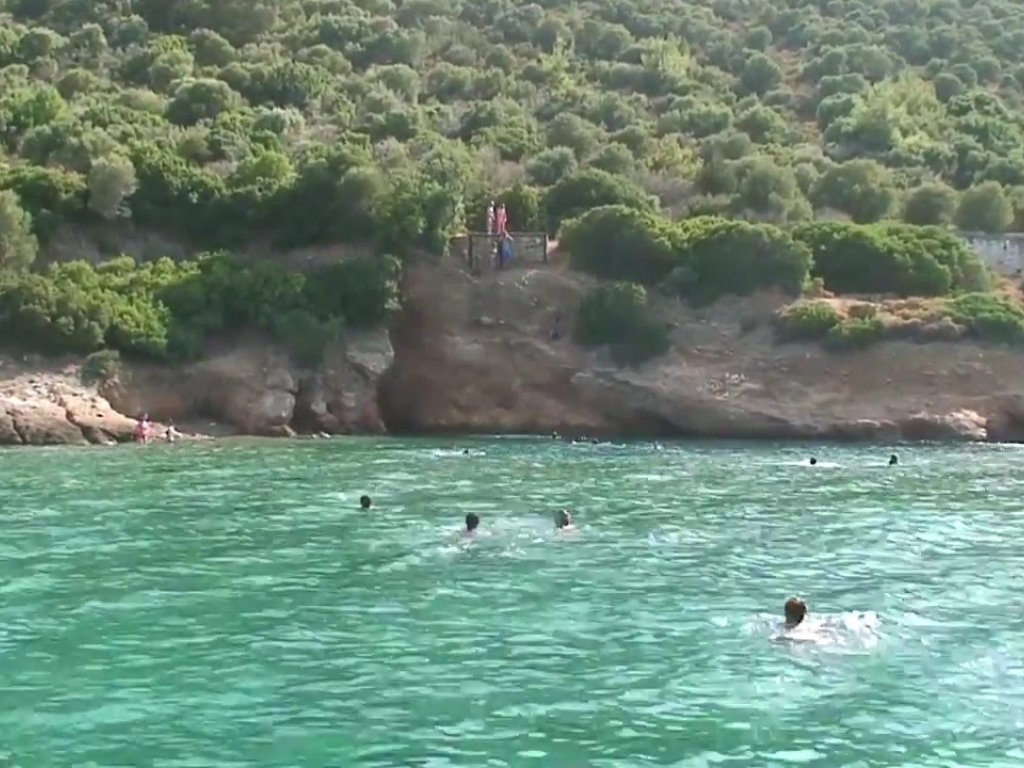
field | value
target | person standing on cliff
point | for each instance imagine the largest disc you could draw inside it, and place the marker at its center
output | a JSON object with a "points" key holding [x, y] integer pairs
{"points": [[501, 221], [505, 251]]}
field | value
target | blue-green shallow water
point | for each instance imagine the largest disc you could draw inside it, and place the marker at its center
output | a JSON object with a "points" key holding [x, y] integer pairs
{"points": [[229, 605]]}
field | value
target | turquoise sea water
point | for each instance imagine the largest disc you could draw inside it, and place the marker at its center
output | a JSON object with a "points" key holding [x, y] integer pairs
{"points": [[229, 605]]}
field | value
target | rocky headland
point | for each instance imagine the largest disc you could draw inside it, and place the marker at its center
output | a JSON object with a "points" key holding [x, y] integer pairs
{"points": [[475, 354]]}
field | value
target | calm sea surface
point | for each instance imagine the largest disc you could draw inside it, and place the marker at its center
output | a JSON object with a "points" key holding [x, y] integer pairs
{"points": [[230, 605]]}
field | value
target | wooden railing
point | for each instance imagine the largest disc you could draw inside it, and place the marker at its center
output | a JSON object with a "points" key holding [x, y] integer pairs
{"points": [[479, 250]]}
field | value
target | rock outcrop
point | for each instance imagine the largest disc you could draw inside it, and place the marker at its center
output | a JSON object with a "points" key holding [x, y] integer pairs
{"points": [[47, 405], [253, 388], [476, 355]]}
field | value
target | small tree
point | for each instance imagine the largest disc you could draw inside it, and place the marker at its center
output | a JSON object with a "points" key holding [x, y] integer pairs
{"points": [[617, 314], [930, 204], [551, 166], [985, 208], [861, 188], [111, 182], [760, 74], [205, 98], [580, 192], [620, 243], [18, 246]]}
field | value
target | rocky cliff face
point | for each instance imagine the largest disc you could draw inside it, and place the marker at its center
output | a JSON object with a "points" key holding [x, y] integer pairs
{"points": [[474, 354], [44, 404], [255, 389]]}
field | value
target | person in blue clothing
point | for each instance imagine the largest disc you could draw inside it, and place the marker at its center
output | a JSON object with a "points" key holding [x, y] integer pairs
{"points": [[505, 252]]}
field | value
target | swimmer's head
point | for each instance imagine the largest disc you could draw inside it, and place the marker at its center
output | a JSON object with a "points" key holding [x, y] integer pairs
{"points": [[893, 460], [365, 501], [563, 518], [795, 610], [472, 521], [813, 461]]}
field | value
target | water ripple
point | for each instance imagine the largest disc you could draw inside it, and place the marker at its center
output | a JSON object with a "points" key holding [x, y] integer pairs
{"points": [[230, 604]]}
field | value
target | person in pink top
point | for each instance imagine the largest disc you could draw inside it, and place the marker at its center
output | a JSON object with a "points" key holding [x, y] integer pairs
{"points": [[501, 223], [142, 428]]}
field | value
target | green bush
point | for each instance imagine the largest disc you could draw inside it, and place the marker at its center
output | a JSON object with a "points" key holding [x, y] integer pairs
{"points": [[101, 366], [617, 315], [989, 317], [734, 257], [166, 310], [620, 243], [891, 258], [580, 192], [855, 334], [306, 336], [807, 321]]}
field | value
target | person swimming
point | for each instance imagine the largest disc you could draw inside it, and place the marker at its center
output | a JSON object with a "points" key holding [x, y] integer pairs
{"points": [[813, 461], [365, 502], [894, 460], [795, 611], [563, 520], [472, 522]]}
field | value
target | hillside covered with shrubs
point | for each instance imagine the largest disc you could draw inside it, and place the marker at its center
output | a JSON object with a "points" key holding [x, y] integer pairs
{"points": [[709, 135], [331, 120], [927, 283], [166, 310]]}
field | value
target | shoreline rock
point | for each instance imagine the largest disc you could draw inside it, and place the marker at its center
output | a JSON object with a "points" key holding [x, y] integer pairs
{"points": [[440, 371]]}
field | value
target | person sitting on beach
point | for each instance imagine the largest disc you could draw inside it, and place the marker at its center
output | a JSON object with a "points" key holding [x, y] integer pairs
{"points": [[795, 611], [365, 502], [472, 521], [563, 520]]}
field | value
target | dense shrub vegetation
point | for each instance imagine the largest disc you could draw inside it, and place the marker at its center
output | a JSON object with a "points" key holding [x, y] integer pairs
{"points": [[617, 315], [314, 120], [989, 317], [164, 310], [393, 122], [704, 257]]}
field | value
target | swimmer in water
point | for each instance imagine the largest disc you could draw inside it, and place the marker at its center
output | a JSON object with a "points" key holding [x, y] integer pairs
{"points": [[795, 611], [813, 461], [563, 520], [472, 521], [365, 502], [894, 460]]}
